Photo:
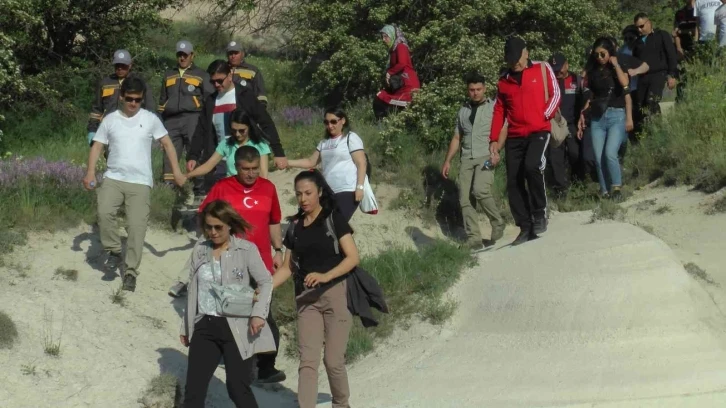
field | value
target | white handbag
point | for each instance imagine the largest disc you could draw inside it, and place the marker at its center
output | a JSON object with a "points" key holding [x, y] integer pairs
{"points": [[368, 204]]}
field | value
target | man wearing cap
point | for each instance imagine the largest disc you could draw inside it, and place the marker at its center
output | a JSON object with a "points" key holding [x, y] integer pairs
{"points": [[521, 103], [183, 91], [566, 154], [106, 99], [245, 74]]}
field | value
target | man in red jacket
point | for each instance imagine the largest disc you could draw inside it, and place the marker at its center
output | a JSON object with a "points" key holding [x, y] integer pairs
{"points": [[521, 102]]}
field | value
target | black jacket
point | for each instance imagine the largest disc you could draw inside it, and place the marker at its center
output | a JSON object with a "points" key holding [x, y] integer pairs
{"points": [[204, 141], [658, 51], [183, 93], [364, 293]]}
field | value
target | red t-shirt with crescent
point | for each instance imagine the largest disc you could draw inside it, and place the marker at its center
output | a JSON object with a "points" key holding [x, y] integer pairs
{"points": [[257, 204]]}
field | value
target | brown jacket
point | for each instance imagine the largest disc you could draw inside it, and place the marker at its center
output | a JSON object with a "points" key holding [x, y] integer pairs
{"points": [[241, 261]]}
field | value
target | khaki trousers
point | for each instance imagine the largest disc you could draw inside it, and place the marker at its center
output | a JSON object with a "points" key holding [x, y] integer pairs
{"points": [[136, 199], [326, 321], [475, 188]]}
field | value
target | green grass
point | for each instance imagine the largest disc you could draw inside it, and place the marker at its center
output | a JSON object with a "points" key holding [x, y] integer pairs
{"points": [[118, 296], [67, 274], [8, 331], [698, 273], [607, 210], [413, 282], [163, 391], [718, 206], [51, 341]]}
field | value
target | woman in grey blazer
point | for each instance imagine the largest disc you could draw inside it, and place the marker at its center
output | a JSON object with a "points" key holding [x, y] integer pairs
{"points": [[222, 257]]}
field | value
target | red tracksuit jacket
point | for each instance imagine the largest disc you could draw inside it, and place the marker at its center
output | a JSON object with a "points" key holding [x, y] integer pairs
{"points": [[524, 106]]}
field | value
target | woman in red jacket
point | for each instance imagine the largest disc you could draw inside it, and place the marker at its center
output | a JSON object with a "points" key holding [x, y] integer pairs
{"points": [[401, 79]]}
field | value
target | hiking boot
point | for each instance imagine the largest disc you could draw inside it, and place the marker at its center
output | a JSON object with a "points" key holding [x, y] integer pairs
{"points": [[129, 282], [272, 376], [475, 246], [178, 289], [540, 226], [524, 236], [497, 232], [617, 196], [113, 261]]}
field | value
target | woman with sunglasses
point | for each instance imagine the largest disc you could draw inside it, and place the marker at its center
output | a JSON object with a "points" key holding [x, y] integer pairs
{"points": [[342, 159], [222, 258], [320, 267], [609, 107], [243, 134]]}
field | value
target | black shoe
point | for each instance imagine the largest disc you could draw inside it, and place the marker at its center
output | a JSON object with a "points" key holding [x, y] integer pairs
{"points": [[617, 196], [524, 236], [113, 262], [497, 232], [178, 289], [540, 226], [129, 282], [272, 376]]}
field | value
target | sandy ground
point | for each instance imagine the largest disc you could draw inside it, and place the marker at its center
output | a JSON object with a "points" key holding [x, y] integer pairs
{"points": [[588, 315]]}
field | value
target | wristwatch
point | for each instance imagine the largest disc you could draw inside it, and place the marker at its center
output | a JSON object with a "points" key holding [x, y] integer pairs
{"points": [[278, 250], [359, 187]]}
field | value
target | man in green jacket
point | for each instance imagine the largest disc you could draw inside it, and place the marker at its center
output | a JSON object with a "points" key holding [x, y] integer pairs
{"points": [[476, 173], [183, 92], [106, 99]]}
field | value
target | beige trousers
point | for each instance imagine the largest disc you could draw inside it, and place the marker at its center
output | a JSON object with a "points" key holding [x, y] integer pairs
{"points": [[475, 188], [326, 321], [136, 199]]}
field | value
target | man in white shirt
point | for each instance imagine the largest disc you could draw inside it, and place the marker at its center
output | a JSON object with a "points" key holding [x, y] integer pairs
{"points": [[719, 19], [705, 10], [129, 134]]}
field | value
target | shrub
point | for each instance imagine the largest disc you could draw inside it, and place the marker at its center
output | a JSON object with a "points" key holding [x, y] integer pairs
{"points": [[8, 331]]}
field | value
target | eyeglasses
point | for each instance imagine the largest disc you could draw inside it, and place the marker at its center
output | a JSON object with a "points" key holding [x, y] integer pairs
{"points": [[641, 26], [602, 54], [240, 131], [217, 81], [129, 99], [218, 228], [330, 122]]}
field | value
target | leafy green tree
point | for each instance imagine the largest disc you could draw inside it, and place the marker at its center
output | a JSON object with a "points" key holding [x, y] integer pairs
{"points": [[339, 41]]}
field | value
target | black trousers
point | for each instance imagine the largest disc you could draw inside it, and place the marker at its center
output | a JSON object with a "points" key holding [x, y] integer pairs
{"points": [[526, 162], [266, 362], [212, 339], [648, 96], [346, 203], [563, 159]]}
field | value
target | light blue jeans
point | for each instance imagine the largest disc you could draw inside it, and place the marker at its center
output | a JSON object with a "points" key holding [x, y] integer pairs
{"points": [[608, 134]]}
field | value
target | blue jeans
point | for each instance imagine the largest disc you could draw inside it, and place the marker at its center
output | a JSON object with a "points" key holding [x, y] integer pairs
{"points": [[608, 134]]}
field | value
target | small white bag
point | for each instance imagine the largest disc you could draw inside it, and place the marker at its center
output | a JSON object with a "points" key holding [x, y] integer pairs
{"points": [[368, 204]]}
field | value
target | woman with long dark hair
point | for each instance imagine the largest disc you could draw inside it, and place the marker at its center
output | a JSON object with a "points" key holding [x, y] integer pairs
{"points": [[343, 161], [401, 77], [321, 264], [243, 134], [609, 107], [222, 259]]}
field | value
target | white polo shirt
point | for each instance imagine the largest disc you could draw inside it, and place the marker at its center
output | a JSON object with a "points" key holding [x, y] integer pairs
{"points": [[129, 141]]}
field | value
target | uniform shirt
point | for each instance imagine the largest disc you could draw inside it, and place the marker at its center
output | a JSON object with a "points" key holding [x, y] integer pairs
{"points": [[227, 152], [705, 11], [314, 247], [250, 76], [258, 204], [339, 169], [224, 105], [183, 91], [129, 141]]}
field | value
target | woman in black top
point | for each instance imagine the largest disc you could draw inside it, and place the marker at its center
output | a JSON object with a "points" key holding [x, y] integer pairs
{"points": [[609, 108], [321, 252]]}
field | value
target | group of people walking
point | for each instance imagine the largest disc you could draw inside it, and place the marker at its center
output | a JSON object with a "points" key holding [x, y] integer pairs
{"points": [[219, 118]]}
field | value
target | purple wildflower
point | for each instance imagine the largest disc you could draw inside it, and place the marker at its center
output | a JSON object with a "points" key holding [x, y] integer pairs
{"points": [[296, 115], [15, 170]]}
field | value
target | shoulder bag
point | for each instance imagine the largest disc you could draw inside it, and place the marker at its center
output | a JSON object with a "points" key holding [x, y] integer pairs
{"points": [[559, 131], [233, 300]]}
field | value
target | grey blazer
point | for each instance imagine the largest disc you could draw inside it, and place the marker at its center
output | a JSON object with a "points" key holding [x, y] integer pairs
{"points": [[241, 261]]}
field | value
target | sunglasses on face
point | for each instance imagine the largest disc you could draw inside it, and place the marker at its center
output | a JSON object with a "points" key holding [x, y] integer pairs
{"points": [[218, 228], [240, 131], [330, 122], [602, 54], [217, 81], [129, 99], [642, 26]]}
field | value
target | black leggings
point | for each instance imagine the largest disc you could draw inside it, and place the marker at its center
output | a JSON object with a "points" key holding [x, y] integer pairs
{"points": [[346, 204], [213, 338]]}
